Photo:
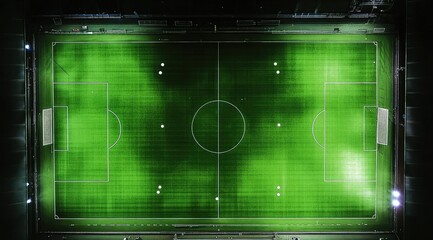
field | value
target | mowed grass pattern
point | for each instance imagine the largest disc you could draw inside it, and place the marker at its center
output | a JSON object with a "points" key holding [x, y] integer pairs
{"points": [[206, 131]]}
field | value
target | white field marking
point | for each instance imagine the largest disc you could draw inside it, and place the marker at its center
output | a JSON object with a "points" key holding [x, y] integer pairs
{"points": [[224, 218], [217, 41], [324, 155], [53, 145], [120, 129], [208, 150], [61, 68], [107, 144], [312, 128], [377, 104], [349, 83], [79, 83], [67, 129], [324, 150], [324, 130], [107, 136], [218, 130], [231, 41], [363, 133]]}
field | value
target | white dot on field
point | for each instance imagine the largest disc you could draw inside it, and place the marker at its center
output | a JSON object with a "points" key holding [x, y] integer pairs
{"points": [[278, 71], [160, 72], [275, 63], [159, 187], [278, 187], [217, 198], [278, 124], [162, 126], [162, 64], [158, 192], [278, 194]]}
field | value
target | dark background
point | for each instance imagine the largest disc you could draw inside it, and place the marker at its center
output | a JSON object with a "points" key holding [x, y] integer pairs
{"points": [[413, 19]]}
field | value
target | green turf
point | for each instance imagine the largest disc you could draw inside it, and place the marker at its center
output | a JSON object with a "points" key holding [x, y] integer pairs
{"points": [[234, 134]]}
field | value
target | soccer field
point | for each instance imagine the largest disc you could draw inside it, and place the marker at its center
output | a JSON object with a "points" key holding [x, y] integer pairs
{"points": [[289, 133]]}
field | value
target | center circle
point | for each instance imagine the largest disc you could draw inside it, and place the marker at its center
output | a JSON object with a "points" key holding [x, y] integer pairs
{"points": [[218, 126]]}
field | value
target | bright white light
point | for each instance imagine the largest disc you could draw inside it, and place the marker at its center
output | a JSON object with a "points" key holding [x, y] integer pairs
{"points": [[162, 64], [29, 200], [160, 72], [158, 192], [27, 46], [162, 126], [278, 124], [395, 193], [159, 187], [275, 63], [278, 194], [217, 198], [395, 203], [27, 184], [278, 187], [278, 71]]}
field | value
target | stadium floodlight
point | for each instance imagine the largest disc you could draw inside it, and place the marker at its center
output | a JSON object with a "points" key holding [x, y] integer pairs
{"points": [[395, 203], [29, 200], [27, 47], [396, 193]]}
